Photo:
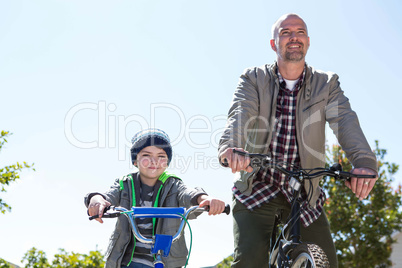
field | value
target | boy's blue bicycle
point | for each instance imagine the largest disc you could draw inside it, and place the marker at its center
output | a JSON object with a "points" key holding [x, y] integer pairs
{"points": [[161, 244]]}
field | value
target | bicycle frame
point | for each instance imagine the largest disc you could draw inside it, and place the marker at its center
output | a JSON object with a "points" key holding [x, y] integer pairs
{"points": [[161, 244], [280, 251], [283, 246]]}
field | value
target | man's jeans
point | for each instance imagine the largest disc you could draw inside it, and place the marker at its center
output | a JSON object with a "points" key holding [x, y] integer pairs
{"points": [[252, 233]]}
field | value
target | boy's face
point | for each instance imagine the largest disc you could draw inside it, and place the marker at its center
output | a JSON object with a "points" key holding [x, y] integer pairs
{"points": [[152, 161]]}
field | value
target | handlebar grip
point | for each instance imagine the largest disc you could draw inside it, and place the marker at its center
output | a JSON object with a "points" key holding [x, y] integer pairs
{"points": [[113, 214], [93, 217], [225, 163], [105, 214], [348, 175], [227, 209], [239, 152]]}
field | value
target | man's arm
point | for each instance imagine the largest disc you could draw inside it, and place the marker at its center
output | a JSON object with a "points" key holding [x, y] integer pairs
{"points": [[345, 125], [241, 116]]}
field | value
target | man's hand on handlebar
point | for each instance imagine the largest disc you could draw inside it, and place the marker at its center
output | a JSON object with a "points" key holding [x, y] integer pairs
{"points": [[97, 206], [235, 161], [361, 187]]}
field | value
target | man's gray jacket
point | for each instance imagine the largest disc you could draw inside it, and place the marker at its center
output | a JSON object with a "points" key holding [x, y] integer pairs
{"points": [[251, 121], [173, 194]]}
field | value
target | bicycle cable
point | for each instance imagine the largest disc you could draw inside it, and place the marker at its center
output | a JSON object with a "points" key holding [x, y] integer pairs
{"points": [[191, 238], [305, 201], [309, 194]]}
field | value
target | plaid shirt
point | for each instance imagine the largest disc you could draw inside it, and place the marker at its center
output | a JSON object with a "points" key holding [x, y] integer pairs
{"points": [[269, 182]]}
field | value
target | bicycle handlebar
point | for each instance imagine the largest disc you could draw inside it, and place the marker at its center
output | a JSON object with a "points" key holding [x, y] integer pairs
{"points": [[263, 160], [158, 212]]}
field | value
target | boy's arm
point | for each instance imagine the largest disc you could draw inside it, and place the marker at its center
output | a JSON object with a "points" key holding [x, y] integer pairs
{"points": [[112, 195], [97, 202], [187, 196], [97, 205], [197, 196]]}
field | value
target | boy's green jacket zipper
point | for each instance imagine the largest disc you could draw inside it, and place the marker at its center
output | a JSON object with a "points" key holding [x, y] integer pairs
{"points": [[163, 177]]}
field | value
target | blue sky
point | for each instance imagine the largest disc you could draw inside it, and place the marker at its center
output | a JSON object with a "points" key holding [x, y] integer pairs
{"points": [[79, 78]]}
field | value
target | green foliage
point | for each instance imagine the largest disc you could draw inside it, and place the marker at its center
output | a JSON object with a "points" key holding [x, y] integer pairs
{"points": [[94, 259], [76, 260], [4, 264], [8, 173], [37, 259], [362, 229], [225, 263]]}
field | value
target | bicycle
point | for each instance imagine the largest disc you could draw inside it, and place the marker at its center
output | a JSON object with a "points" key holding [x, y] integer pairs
{"points": [[288, 250], [161, 244]]}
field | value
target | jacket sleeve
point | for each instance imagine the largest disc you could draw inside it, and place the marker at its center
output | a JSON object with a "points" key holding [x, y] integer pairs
{"points": [[187, 197], [112, 195], [242, 113], [345, 125]]}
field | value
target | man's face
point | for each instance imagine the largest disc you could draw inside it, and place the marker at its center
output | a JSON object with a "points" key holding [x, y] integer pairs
{"points": [[291, 40]]}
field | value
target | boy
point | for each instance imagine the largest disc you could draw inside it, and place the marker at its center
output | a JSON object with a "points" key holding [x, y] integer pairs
{"points": [[151, 153]]}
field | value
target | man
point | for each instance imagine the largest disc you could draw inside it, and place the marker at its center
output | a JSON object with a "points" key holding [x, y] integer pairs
{"points": [[282, 109]]}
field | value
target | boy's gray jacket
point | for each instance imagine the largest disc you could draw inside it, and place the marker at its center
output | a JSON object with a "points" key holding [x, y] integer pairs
{"points": [[174, 194], [251, 121]]}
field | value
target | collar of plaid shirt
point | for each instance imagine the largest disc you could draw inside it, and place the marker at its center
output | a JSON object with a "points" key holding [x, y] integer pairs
{"points": [[268, 182], [297, 86]]}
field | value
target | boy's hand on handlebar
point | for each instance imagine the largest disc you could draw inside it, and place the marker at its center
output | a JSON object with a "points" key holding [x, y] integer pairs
{"points": [[235, 161], [216, 206], [359, 186], [96, 206]]}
